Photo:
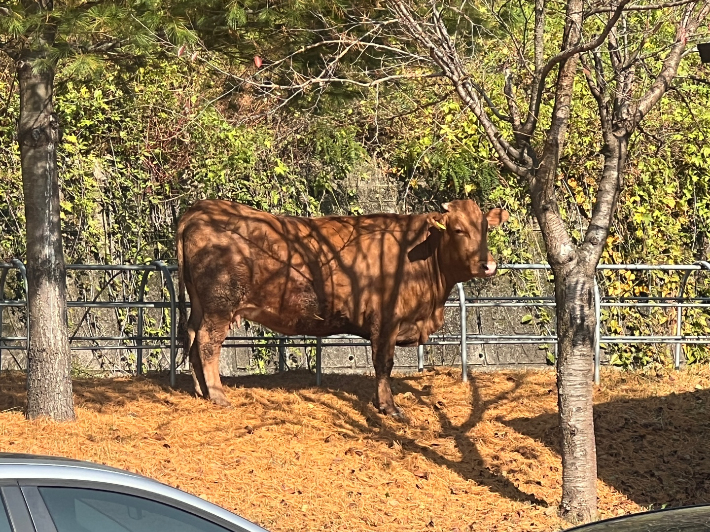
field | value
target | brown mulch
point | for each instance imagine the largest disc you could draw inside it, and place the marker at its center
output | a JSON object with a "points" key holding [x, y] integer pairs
{"points": [[477, 456]]}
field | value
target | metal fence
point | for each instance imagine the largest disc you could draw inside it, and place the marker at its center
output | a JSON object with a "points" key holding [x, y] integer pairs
{"points": [[139, 341]]}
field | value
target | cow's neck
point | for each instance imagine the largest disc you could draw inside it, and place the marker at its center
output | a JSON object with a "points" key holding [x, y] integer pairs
{"points": [[442, 279]]}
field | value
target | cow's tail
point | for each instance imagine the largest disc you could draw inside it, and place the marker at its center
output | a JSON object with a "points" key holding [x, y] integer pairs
{"points": [[182, 305]]}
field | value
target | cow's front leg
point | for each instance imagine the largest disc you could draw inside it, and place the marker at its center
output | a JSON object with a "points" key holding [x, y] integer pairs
{"points": [[207, 346], [383, 360]]}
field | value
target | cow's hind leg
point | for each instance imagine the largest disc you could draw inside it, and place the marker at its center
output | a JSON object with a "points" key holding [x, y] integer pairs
{"points": [[383, 360], [198, 374], [193, 324], [207, 346]]}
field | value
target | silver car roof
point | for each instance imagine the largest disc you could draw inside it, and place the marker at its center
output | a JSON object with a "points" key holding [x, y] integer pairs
{"points": [[32, 467]]}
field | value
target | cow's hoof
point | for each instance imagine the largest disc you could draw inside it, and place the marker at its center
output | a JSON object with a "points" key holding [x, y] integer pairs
{"points": [[392, 411], [398, 415], [221, 401]]}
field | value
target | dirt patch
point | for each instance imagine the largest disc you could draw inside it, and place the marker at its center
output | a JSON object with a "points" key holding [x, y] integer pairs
{"points": [[477, 456]]}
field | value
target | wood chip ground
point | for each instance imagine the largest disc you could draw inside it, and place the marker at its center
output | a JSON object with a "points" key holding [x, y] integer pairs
{"points": [[481, 456]]}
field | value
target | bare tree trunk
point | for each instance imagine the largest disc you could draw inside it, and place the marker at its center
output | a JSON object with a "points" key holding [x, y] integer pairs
{"points": [[49, 386], [576, 320]]}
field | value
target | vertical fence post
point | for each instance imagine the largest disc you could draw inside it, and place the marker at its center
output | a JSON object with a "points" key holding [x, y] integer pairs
{"points": [[3, 277], [319, 349], [464, 347], [597, 332], [23, 272], [420, 357], [679, 318], [282, 354], [140, 325], [168, 280]]}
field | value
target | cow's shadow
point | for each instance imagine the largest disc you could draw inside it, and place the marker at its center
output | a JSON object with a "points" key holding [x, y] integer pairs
{"points": [[358, 392]]}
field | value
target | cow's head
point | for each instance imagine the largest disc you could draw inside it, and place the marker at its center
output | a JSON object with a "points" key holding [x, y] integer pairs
{"points": [[464, 246]]}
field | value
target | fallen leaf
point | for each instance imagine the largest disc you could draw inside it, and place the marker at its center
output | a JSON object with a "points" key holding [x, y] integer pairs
{"points": [[421, 474]]}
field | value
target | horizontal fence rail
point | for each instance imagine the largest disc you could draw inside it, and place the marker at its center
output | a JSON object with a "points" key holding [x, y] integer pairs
{"points": [[140, 341]]}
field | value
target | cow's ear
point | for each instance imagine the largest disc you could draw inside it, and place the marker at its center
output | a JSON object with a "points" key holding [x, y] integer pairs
{"points": [[438, 221], [496, 217]]}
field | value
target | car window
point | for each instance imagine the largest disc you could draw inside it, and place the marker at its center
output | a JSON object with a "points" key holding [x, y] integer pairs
{"points": [[4, 521], [89, 510]]}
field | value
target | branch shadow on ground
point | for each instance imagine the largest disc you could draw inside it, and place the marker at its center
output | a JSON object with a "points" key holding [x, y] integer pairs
{"points": [[653, 450], [93, 393]]}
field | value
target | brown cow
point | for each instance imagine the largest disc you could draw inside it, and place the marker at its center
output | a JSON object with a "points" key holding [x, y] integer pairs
{"points": [[384, 277]]}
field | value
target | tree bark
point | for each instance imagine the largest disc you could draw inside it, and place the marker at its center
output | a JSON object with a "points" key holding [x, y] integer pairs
{"points": [[576, 321], [49, 386]]}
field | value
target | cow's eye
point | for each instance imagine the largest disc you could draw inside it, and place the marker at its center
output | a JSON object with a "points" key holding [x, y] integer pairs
{"points": [[459, 231]]}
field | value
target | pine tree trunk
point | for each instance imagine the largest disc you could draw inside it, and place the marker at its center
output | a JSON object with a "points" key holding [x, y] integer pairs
{"points": [[49, 386], [576, 321]]}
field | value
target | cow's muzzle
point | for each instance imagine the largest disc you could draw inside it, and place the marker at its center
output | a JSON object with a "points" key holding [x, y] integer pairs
{"points": [[489, 268]]}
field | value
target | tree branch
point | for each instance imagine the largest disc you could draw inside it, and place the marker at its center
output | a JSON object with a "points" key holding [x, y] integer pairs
{"points": [[650, 7], [560, 248], [688, 26], [630, 60], [696, 79], [446, 57], [628, 114], [607, 196], [566, 53], [105, 46], [596, 88], [347, 42], [512, 105], [320, 80], [539, 34]]}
